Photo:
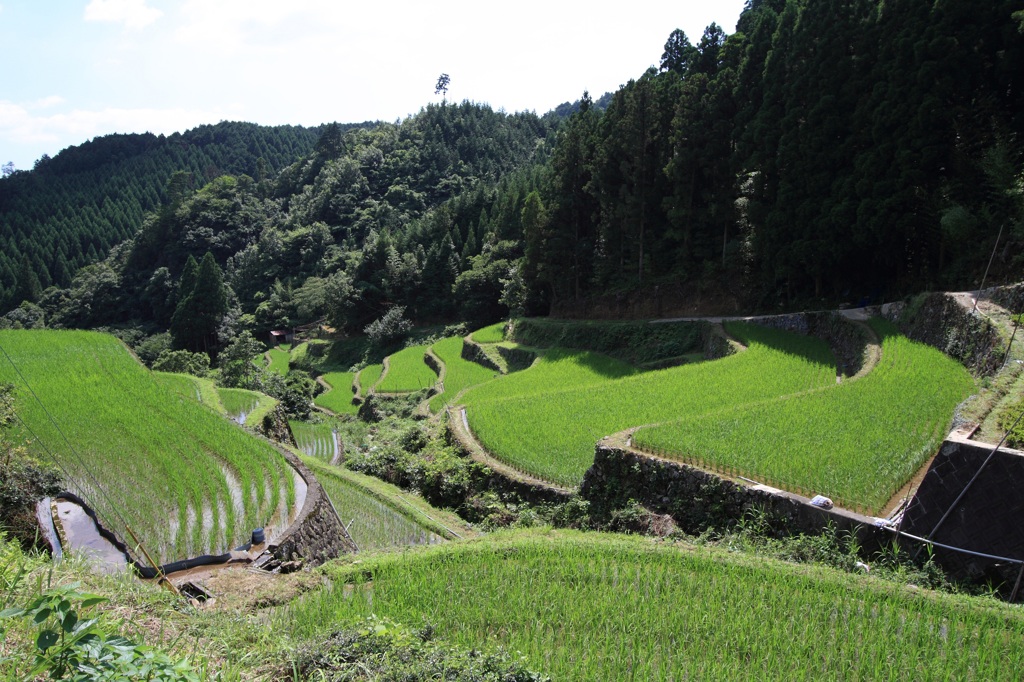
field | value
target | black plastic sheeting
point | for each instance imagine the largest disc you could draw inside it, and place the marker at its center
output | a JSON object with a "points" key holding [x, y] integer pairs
{"points": [[143, 570]]}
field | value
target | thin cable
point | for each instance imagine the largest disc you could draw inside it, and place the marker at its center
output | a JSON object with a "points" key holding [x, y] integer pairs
{"points": [[975, 477]]}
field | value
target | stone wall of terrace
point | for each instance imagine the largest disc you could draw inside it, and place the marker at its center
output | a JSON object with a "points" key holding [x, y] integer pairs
{"points": [[698, 500], [472, 352], [987, 520], [846, 340], [317, 533]]}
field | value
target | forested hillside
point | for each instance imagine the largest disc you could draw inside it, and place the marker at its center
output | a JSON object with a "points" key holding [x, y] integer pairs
{"points": [[836, 148], [832, 151], [69, 210]]}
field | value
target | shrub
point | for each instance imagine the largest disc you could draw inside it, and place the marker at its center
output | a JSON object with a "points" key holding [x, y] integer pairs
{"points": [[183, 362], [391, 327]]}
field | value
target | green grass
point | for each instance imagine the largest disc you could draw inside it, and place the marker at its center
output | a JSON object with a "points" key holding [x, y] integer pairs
{"points": [[857, 442], [339, 399], [599, 607], [494, 333], [186, 479], [368, 377], [459, 374], [372, 522], [545, 420], [279, 359], [407, 372]]}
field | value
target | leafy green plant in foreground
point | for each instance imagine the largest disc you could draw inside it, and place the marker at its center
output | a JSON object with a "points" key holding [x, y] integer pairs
{"points": [[70, 646]]}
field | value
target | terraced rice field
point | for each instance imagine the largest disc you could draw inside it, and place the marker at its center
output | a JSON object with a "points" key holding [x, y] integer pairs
{"points": [[459, 374], [187, 480], [372, 523], [244, 406], [201, 389], [316, 440], [368, 377], [407, 372], [857, 442], [339, 399], [280, 358], [494, 333], [545, 420], [587, 606]]}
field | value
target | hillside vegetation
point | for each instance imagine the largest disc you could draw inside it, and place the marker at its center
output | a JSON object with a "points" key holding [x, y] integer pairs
{"points": [[69, 210]]}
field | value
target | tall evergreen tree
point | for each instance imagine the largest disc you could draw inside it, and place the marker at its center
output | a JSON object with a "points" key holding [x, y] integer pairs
{"points": [[199, 314]]}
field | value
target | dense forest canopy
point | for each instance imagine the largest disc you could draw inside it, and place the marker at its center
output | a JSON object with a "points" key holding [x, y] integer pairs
{"points": [[837, 150], [69, 210]]}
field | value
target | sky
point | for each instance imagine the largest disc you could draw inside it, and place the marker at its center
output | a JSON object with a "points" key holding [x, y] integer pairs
{"points": [[76, 69]]}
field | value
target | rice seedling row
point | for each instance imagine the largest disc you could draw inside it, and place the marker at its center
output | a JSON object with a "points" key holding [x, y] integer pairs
{"points": [[372, 523], [545, 420], [188, 480], [315, 440], [339, 398], [857, 442], [407, 372], [459, 374], [588, 607]]}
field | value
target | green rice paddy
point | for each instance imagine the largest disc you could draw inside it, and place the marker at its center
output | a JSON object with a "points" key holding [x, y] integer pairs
{"points": [[316, 440], [339, 399], [459, 374], [857, 442], [187, 480], [371, 521], [545, 420], [244, 406], [494, 333], [592, 606], [407, 372], [368, 377], [280, 357]]}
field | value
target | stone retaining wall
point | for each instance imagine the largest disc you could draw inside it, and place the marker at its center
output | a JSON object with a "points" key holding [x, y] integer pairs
{"points": [[697, 500], [317, 533], [472, 351], [987, 520], [940, 321]]}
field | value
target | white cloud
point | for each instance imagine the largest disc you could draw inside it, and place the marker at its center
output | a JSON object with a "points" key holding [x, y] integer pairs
{"points": [[134, 14], [18, 125], [46, 102]]}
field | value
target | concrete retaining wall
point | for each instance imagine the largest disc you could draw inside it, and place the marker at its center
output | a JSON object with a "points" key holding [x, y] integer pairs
{"points": [[989, 519], [697, 500], [317, 533]]}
